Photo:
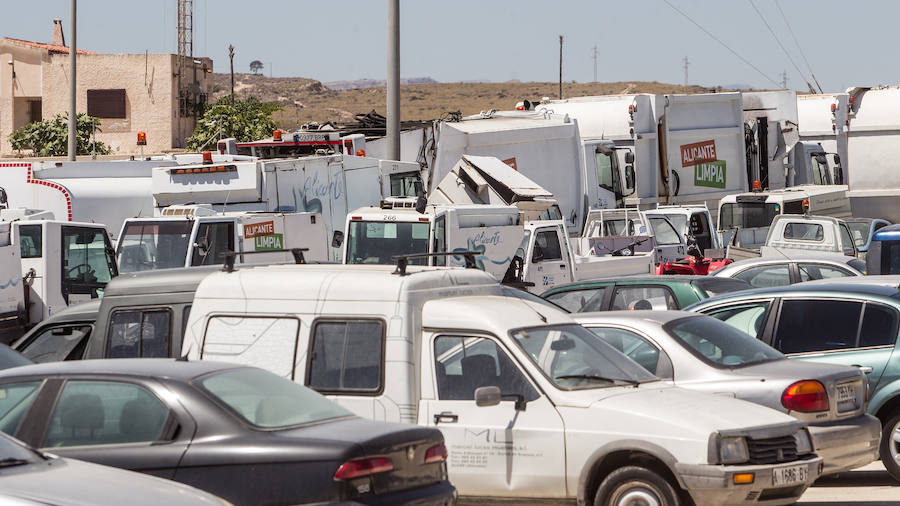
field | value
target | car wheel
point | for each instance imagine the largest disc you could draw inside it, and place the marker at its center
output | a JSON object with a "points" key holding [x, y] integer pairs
{"points": [[635, 486], [890, 445]]}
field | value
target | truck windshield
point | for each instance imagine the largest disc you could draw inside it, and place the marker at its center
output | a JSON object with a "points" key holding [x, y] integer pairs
{"points": [[663, 232], [890, 257], [860, 231], [87, 256], [747, 215], [573, 358], [149, 245], [375, 242]]}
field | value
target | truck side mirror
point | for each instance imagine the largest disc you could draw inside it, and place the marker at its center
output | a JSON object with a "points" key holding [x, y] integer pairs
{"points": [[629, 178], [487, 396], [629, 157], [537, 254], [838, 176], [337, 239]]}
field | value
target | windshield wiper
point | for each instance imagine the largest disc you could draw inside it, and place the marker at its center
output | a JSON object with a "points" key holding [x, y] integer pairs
{"points": [[598, 378], [10, 462]]}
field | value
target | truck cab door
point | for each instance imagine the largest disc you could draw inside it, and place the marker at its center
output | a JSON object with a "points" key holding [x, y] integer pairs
{"points": [[670, 244], [493, 450], [602, 175], [548, 263]]}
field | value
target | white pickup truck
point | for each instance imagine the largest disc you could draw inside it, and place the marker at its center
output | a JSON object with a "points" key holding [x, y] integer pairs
{"points": [[532, 406], [790, 233]]}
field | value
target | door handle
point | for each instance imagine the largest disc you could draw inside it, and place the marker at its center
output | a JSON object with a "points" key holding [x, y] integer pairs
{"points": [[864, 368], [562, 266], [446, 417]]}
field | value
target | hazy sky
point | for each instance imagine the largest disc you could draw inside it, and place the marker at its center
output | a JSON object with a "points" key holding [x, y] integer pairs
{"points": [[846, 43]]}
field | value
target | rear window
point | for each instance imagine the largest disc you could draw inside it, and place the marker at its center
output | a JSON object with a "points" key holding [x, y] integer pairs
{"points": [[799, 231], [720, 344], [718, 286]]}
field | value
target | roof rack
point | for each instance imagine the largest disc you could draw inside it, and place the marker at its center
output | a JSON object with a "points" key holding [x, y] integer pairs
{"points": [[229, 256], [403, 260]]}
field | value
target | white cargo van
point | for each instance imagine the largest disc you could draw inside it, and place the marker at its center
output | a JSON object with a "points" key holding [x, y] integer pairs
{"points": [[532, 406]]}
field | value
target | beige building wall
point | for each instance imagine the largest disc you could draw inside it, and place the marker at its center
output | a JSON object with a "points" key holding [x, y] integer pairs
{"points": [[16, 93]]}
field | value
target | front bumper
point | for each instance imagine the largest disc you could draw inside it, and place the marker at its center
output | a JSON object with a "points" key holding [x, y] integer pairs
{"points": [[713, 484], [439, 494], [847, 444]]}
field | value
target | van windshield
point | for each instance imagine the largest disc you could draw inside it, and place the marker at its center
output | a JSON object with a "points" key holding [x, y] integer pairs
{"points": [[747, 215], [375, 242], [149, 245]]}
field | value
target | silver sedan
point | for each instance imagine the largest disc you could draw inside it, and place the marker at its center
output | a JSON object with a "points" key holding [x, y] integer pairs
{"points": [[769, 271], [703, 353]]}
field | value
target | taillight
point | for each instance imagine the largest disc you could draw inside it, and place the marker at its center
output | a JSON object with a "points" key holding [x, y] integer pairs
{"points": [[363, 467], [437, 453], [805, 396]]}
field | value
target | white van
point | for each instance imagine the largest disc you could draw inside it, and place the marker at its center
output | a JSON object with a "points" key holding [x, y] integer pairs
{"points": [[532, 405]]}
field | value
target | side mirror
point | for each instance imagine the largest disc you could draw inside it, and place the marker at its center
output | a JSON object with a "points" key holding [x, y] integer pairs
{"points": [[3, 199], [821, 159], [629, 157], [487, 396], [337, 239], [537, 254], [420, 204], [837, 159], [838, 176], [629, 178]]}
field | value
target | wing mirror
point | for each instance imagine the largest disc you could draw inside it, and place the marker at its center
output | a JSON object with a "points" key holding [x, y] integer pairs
{"points": [[491, 396], [629, 157], [629, 178], [838, 176], [337, 239]]}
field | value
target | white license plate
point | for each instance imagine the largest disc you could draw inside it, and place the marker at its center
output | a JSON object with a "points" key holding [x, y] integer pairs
{"points": [[790, 475], [846, 398]]}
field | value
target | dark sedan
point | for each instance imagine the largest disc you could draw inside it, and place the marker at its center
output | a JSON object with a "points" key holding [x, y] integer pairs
{"points": [[241, 433]]}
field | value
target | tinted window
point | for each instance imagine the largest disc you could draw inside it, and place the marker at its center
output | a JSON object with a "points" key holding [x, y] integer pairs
{"points": [[847, 241], [139, 333], [30, 243], [879, 326], [253, 340], [766, 275], [717, 286], [718, 343], [265, 400], [105, 412], [748, 318], [15, 399], [376, 242], [632, 345], [153, 245], [643, 297], [65, 342], [746, 215], [860, 232], [347, 356], [464, 364], [800, 231], [217, 238], [821, 271], [548, 242], [817, 325], [575, 301]]}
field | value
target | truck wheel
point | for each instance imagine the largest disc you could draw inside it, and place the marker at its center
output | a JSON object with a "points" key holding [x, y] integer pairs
{"points": [[890, 445], [635, 486]]}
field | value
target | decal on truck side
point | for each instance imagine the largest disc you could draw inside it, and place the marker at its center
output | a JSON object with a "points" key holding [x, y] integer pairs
{"points": [[709, 171]]}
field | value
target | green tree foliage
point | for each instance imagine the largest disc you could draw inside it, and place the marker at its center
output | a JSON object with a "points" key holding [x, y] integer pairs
{"points": [[50, 137], [256, 66], [245, 120]]}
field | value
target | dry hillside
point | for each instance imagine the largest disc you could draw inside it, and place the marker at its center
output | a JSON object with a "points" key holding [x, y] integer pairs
{"points": [[306, 100]]}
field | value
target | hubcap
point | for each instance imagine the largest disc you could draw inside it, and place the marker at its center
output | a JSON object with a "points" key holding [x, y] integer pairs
{"points": [[894, 444], [638, 497]]}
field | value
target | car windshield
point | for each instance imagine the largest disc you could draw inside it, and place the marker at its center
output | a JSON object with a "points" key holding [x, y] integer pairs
{"points": [[13, 452], [860, 232], [573, 358], [375, 242], [267, 401], [718, 343], [148, 245]]}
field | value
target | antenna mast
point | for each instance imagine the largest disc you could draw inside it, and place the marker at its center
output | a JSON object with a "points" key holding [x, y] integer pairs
{"points": [[686, 63], [595, 63]]}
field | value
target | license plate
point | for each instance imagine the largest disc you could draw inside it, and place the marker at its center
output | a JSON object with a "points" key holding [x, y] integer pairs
{"points": [[790, 475], [846, 398]]}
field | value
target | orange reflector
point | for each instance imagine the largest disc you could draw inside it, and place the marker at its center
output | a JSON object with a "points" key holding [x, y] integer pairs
{"points": [[423, 219], [743, 478], [360, 152], [356, 217], [520, 107]]}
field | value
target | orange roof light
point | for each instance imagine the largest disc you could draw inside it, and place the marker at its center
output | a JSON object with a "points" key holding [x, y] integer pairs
{"points": [[360, 152], [207, 157], [276, 135], [141, 139], [757, 185]]}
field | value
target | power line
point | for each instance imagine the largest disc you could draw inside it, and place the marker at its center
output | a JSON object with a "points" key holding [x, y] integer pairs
{"points": [[707, 32], [791, 30], [811, 89]]}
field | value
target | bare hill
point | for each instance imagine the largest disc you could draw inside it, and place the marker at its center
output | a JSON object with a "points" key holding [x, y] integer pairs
{"points": [[306, 100]]}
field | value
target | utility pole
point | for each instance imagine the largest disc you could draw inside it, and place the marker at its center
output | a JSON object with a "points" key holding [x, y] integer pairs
{"points": [[686, 63], [231, 59], [784, 80], [73, 120], [393, 80], [560, 66], [595, 63]]}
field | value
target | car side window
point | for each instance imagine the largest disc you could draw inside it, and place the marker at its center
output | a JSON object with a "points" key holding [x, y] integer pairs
{"points": [[105, 413], [464, 364], [643, 297], [63, 342], [634, 346], [817, 325], [575, 301], [548, 242], [15, 399], [766, 276], [139, 333], [821, 271], [879, 327], [749, 318], [347, 356]]}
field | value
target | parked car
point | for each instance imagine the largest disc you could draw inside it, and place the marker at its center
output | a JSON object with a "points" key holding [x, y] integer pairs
{"points": [[853, 323], [141, 314], [702, 353], [32, 477], [238, 432], [639, 292], [771, 271], [862, 230], [532, 406]]}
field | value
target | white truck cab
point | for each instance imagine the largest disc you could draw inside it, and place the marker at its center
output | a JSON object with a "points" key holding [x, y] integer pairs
{"points": [[692, 221], [789, 234], [633, 224], [531, 405]]}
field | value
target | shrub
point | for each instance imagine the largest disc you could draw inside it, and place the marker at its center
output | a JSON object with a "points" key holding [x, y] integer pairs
{"points": [[245, 120], [50, 137]]}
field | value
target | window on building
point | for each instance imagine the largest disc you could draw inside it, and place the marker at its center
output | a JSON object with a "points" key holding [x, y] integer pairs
{"points": [[106, 103]]}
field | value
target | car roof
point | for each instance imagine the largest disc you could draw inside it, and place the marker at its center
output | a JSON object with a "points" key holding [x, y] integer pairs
{"points": [[183, 279], [626, 317], [851, 288], [773, 259], [886, 280], [83, 311], [148, 367]]}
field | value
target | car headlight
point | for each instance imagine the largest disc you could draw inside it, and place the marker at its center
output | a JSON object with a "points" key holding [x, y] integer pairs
{"points": [[804, 443], [733, 450]]}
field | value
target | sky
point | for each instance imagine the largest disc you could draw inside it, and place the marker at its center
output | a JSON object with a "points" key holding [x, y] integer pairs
{"points": [[843, 42]]}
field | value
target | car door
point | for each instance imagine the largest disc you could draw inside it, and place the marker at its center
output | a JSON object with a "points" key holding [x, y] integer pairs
{"points": [[114, 422], [579, 300], [767, 276], [549, 259], [494, 450], [812, 270], [846, 332], [749, 316]]}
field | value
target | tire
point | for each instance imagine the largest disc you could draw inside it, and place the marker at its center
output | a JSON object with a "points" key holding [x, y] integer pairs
{"points": [[889, 449], [635, 486]]}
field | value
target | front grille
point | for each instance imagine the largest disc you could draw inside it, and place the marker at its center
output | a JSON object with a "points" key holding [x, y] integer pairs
{"points": [[773, 450]]}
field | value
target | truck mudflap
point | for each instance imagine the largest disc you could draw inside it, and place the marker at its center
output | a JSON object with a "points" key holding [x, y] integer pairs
{"points": [[762, 484]]}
